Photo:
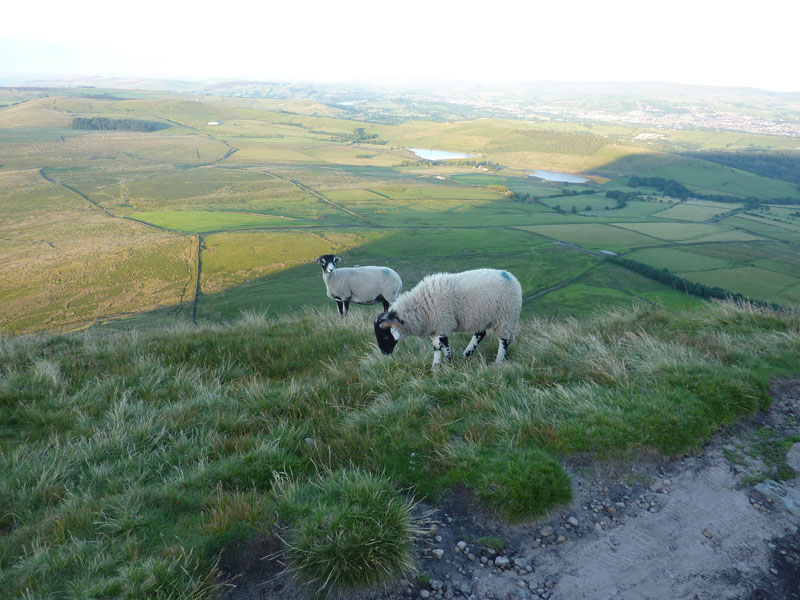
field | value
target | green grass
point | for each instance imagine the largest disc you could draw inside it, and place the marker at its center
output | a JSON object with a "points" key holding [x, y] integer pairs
{"points": [[200, 221], [696, 211], [753, 282], [595, 236], [129, 461]]}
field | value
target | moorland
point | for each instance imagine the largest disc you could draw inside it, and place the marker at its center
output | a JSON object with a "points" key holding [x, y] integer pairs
{"points": [[174, 382]]}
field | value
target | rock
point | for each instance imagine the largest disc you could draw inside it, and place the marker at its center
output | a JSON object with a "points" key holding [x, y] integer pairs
{"points": [[561, 539], [546, 531], [787, 499], [793, 457], [598, 527], [461, 545], [438, 539], [520, 562], [573, 521], [438, 553], [656, 485], [436, 584], [424, 594], [708, 534], [501, 562], [471, 556]]}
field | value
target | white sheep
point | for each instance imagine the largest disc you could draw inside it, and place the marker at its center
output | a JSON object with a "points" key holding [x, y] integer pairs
{"points": [[362, 285], [470, 301]]}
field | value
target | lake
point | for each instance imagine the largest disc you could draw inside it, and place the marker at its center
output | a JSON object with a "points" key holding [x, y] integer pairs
{"points": [[556, 176], [438, 154]]}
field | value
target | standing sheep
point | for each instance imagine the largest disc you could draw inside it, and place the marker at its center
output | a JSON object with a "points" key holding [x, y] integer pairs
{"points": [[362, 285], [470, 301]]}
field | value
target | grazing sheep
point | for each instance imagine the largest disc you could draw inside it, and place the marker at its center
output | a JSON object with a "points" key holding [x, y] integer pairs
{"points": [[362, 285], [470, 301]]}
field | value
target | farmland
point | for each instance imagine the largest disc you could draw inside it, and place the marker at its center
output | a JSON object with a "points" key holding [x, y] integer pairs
{"points": [[224, 206]]}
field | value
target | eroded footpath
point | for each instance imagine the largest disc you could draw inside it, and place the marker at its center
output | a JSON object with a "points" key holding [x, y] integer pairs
{"points": [[701, 527]]}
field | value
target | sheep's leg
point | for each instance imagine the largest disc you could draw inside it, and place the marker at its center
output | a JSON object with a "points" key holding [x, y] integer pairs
{"points": [[340, 306], [501, 350], [346, 307], [440, 342], [473, 343], [384, 302]]}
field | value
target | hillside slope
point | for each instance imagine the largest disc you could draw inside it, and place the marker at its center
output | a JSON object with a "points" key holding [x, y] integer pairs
{"points": [[130, 462]]}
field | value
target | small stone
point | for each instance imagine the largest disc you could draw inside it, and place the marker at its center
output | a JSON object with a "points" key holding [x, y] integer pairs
{"points": [[436, 584], [471, 556], [573, 521], [501, 561], [793, 457], [461, 545], [522, 584], [484, 560], [598, 527], [773, 570], [438, 539], [611, 510], [424, 594], [546, 531], [438, 553], [520, 562], [708, 534], [434, 529], [656, 485], [310, 441], [561, 539]]}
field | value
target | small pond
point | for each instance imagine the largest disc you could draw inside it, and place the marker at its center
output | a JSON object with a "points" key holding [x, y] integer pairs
{"points": [[560, 177], [438, 154]]}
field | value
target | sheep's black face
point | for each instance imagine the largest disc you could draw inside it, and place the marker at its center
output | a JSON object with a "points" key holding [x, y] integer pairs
{"points": [[384, 334], [328, 262]]}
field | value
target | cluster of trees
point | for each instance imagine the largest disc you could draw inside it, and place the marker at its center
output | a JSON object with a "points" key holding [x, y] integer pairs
{"points": [[668, 187], [105, 124], [621, 197], [359, 136], [675, 189], [699, 290], [779, 164], [584, 144]]}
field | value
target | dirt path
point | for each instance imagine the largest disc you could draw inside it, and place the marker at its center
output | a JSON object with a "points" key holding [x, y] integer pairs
{"points": [[663, 530]]}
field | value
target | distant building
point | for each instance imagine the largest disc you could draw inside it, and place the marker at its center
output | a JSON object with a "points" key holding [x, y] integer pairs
{"points": [[608, 253], [214, 123]]}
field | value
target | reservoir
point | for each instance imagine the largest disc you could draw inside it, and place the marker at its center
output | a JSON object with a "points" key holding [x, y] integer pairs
{"points": [[560, 177], [438, 154]]}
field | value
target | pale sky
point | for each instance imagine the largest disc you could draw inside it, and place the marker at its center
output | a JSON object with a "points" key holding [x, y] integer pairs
{"points": [[707, 42]]}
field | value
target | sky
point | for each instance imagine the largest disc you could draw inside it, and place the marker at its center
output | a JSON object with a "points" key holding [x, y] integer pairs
{"points": [[706, 42]]}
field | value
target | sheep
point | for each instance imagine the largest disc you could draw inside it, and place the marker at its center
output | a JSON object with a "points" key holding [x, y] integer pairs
{"points": [[362, 285], [470, 301]]}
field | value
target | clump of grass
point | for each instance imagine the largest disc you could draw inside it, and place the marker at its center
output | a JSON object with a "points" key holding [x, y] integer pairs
{"points": [[348, 528], [491, 541]]}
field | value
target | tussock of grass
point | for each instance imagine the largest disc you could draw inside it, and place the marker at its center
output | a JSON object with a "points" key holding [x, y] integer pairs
{"points": [[130, 461], [348, 528]]}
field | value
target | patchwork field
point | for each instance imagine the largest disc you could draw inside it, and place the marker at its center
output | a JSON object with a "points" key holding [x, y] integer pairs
{"points": [[102, 224]]}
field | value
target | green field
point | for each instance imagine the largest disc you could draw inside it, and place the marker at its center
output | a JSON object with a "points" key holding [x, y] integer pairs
{"points": [[199, 221], [85, 214]]}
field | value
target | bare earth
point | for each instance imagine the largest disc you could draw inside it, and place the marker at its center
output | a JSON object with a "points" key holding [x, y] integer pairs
{"points": [[662, 530]]}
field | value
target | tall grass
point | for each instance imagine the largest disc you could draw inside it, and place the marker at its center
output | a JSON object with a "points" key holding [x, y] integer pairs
{"points": [[129, 462]]}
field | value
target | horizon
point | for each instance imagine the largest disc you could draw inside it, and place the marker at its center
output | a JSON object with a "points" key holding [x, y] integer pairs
{"points": [[712, 44]]}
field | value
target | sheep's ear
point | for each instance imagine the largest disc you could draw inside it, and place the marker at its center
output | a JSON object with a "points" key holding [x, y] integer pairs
{"points": [[336, 260], [321, 260]]}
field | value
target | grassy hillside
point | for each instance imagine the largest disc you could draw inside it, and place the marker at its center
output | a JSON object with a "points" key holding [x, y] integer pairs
{"points": [[129, 462]]}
